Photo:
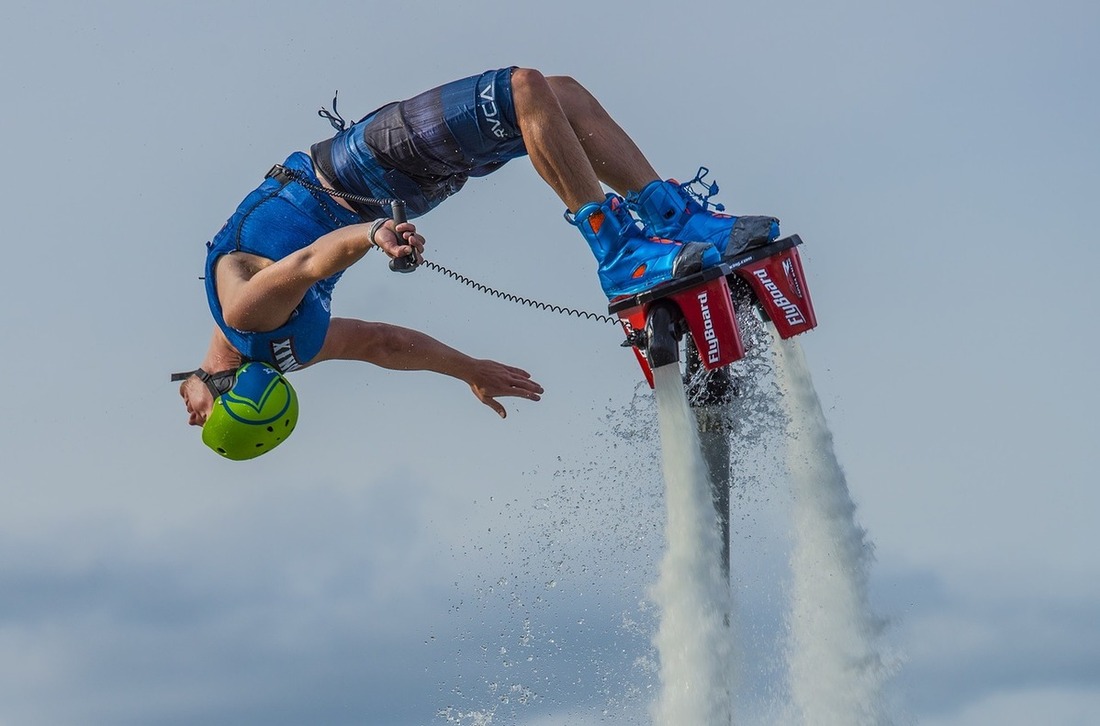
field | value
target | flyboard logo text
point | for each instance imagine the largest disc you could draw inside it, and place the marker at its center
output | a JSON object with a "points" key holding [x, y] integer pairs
{"points": [[283, 353], [713, 353], [790, 310], [491, 111], [788, 270]]}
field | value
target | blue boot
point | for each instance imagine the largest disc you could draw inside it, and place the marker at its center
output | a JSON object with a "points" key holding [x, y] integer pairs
{"points": [[630, 262], [675, 211]]}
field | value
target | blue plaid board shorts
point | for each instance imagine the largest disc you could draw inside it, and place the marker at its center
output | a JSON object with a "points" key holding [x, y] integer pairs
{"points": [[424, 149]]}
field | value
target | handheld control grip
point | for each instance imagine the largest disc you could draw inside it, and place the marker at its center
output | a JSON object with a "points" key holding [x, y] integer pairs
{"points": [[408, 262]]}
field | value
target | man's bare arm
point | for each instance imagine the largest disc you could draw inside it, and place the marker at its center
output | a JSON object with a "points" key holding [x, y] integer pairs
{"points": [[397, 348], [263, 299]]}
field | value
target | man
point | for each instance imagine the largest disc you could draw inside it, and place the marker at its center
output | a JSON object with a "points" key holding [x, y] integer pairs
{"points": [[271, 270]]}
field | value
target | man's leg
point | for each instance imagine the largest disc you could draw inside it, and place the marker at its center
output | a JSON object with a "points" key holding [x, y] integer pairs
{"points": [[617, 160], [667, 209], [574, 145], [551, 143]]}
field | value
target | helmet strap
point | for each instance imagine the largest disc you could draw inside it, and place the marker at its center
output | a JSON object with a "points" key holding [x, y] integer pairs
{"points": [[217, 383]]}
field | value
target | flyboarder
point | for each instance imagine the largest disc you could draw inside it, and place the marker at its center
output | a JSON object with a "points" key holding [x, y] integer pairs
{"points": [[271, 270]]}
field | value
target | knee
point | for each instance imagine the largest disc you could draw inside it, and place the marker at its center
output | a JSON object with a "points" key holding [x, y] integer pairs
{"points": [[530, 84], [532, 90], [575, 99], [566, 86]]}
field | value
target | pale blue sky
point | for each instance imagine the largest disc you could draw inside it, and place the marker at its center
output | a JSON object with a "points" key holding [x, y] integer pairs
{"points": [[938, 158]]}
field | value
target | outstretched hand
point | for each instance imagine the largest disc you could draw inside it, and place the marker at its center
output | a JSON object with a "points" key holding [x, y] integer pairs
{"points": [[490, 380]]}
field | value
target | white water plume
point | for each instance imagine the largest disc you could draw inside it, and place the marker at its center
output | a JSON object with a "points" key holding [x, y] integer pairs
{"points": [[693, 640], [837, 674]]}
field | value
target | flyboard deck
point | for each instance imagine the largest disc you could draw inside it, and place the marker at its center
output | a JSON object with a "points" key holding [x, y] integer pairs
{"points": [[701, 305]]}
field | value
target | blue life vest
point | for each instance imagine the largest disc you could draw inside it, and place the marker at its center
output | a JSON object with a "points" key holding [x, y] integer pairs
{"points": [[275, 220]]}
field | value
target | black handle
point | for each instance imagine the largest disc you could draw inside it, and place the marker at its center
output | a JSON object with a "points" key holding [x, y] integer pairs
{"points": [[405, 263]]}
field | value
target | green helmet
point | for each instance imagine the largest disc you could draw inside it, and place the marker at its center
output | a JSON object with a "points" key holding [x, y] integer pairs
{"points": [[254, 416]]}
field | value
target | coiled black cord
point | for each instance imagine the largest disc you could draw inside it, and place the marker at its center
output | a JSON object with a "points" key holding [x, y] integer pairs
{"points": [[447, 272], [519, 299]]}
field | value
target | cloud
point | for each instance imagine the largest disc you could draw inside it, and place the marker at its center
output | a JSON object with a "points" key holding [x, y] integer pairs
{"points": [[965, 649], [1025, 707], [318, 602]]}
